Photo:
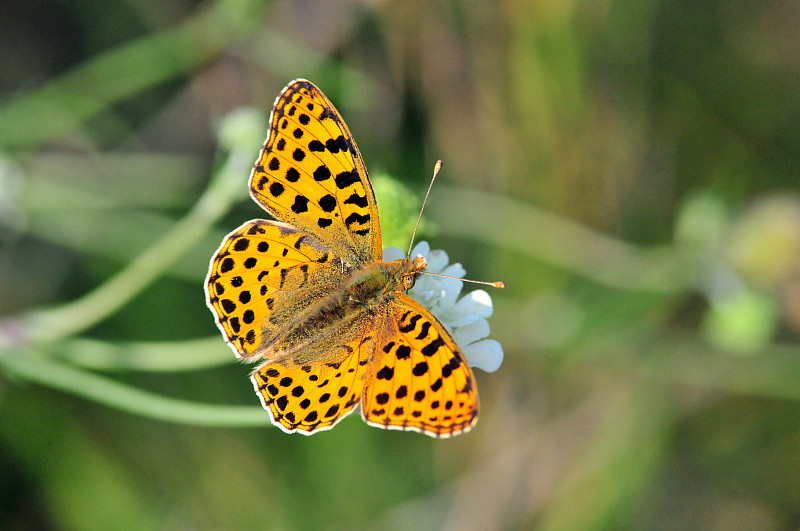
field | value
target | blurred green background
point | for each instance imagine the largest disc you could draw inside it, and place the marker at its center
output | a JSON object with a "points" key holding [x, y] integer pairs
{"points": [[630, 169]]}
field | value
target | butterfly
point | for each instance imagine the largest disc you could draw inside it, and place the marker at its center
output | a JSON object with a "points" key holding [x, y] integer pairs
{"points": [[310, 299]]}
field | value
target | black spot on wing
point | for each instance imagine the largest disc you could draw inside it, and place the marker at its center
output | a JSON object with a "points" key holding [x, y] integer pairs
{"points": [[276, 189], [386, 373], [332, 146], [346, 178], [411, 325], [403, 352], [300, 204], [356, 218], [322, 173], [423, 333], [327, 203], [420, 368], [292, 175], [282, 402], [431, 348], [226, 265], [359, 201]]}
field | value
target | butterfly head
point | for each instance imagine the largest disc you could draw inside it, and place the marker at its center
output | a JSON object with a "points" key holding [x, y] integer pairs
{"points": [[411, 270]]}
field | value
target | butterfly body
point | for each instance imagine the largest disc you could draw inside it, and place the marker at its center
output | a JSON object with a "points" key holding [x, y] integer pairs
{"points": [[310, 298]]}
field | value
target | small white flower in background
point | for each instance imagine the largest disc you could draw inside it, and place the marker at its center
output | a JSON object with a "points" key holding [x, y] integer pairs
{"points": [[464, 317]]}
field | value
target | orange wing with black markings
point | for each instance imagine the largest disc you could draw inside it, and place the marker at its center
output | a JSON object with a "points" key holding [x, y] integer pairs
{"points": [[252, 272], [313, 397], [311, 174], [421, 382]]}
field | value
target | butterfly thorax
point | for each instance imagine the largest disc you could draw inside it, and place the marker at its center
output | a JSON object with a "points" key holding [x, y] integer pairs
{"points": [[378, 280]]}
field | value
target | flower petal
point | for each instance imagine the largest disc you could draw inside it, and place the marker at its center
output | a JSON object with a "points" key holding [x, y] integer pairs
{"points": [[390, 254], [450, 290], [475, 331], [486, 355], [422, 248], [437, 260], [478, 302], [455, 270]]}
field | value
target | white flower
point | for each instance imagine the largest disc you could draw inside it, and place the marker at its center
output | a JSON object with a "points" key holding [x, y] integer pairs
{"points": [[464, 317]]}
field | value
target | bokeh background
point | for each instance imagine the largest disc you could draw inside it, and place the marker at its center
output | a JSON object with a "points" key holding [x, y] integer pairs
{"points": [[630, 169]]}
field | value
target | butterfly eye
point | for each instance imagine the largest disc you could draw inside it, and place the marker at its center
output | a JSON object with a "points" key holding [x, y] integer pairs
{"points": [[408, 281]]}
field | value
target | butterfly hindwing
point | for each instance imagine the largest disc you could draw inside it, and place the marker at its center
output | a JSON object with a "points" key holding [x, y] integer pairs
{"points": [[310, 174], [421, 380], [309, 397]]}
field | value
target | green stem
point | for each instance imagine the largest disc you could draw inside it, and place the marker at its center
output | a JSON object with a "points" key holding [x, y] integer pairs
{"points": [[169, 356], [30, 367], [53, 324]]}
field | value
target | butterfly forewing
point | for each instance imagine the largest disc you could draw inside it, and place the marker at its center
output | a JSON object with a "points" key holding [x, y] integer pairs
{"points": [[421, 380], [257, 265], [310, 174]]}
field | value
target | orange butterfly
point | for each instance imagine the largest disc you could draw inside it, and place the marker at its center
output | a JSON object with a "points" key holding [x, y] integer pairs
{"points": [[310, 297]]}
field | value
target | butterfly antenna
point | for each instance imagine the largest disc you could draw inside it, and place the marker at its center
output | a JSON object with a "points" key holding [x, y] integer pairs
{"points": [[497, 284], [436, 169]]}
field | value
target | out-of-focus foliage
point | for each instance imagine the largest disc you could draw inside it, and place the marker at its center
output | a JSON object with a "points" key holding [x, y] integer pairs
{"points": [[629, 169]]}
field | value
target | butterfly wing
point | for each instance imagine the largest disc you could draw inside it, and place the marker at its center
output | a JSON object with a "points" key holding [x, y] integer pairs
{"points": [[310, 174], [421, 380], [315, 396], [257, 269]]}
